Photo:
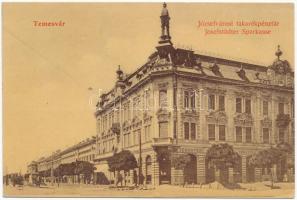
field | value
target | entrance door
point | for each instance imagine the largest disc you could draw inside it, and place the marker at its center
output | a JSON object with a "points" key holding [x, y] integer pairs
{"points": [[165, 169], [190, 171]]}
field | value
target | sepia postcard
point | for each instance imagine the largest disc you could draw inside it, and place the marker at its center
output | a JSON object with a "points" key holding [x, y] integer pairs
{"points": [[148, 100]]}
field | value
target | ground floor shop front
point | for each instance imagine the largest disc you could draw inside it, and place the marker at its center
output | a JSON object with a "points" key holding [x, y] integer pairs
{"points": [[157, 168]]}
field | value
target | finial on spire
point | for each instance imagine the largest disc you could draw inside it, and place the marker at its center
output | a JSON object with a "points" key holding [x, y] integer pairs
{"points": [[278, 53], [120, 73]]}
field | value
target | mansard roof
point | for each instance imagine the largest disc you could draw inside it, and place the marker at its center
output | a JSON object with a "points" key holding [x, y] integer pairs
{"points": [[168, 59], [187, 61]]}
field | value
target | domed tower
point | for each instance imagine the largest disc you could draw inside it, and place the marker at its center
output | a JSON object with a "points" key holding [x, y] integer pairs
{"points": [[280, 72]]}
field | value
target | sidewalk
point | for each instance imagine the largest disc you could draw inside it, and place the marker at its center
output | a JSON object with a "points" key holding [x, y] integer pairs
{"points": [[259, 190]]}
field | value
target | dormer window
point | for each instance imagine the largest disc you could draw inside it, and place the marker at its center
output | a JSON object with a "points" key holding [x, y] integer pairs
{"points": [[216, 69], [241, 73]]}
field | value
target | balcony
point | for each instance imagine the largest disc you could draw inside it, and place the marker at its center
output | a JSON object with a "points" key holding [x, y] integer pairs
{"points": [[162, 141]]}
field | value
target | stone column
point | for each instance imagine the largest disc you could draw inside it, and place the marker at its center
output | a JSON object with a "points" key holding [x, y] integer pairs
{"points": [[155, 172], [201, 169], [243, 168], [131, 177], [231, 175], [258, 176]]}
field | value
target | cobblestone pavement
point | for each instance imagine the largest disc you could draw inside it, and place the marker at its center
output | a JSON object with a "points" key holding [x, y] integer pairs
{"points": [[247, 190]]}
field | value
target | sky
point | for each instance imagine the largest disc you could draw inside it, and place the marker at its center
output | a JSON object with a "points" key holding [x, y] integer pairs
{"points": [[48, 71]]}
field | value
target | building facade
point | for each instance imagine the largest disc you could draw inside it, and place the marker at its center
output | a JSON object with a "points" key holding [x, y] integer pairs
{"points": [[181, 103], [82, 151]]}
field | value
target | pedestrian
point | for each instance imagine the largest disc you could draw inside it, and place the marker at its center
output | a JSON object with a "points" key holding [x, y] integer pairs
{"points": [[135, 177], [120, 179]]}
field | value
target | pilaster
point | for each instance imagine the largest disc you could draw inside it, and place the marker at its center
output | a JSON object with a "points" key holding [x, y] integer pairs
{"points": [[156, 172], [243, 168], [201, 169]]}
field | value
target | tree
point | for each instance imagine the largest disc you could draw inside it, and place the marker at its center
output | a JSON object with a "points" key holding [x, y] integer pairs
{"points": [[17, 180], [267, 158], [222, 156], [181, 162], [85, 168], [123, 160]]}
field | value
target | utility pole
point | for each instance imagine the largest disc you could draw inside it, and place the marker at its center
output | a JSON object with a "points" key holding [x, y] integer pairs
{"points": [[52, 169], [140, 161]]}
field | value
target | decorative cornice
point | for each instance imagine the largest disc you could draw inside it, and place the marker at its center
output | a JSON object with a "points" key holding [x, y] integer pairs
{"points": [[243, 119], [217, 117]]}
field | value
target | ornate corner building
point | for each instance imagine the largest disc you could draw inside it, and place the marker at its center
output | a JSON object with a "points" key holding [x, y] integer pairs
{"points": [[180, 102]]}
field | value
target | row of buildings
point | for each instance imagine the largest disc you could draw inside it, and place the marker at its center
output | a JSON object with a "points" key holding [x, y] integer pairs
{"points": [[82, 151], [181, 103]]}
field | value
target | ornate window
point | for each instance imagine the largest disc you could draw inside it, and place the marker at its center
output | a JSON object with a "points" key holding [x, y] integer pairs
{"points": [[193, 131], [239, 105], [189, 99], [136, 106], [186, 99], [266, 135], [221, 103], [186, 130], [163, 98], [265, 107], [146, 100], [248, 134], [163, 129], [222, 133], [211, 132], [211, 102], [126, 111], [281, 108], [192, 98], [238, 134], [281, 135], [248, 106]]}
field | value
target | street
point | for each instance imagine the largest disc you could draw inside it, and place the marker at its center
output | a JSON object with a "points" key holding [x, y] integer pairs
{"points": [[283, 190]]}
